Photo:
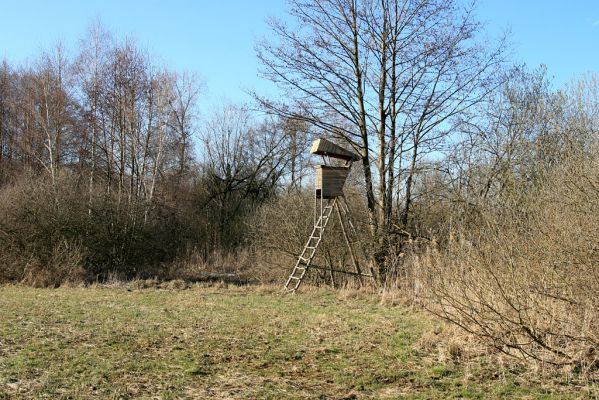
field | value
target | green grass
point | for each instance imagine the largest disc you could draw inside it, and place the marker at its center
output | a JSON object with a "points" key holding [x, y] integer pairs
{"points": [[210, 342]]}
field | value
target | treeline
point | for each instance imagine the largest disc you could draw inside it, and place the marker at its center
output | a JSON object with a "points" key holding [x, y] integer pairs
{"points": [[100, 174]]}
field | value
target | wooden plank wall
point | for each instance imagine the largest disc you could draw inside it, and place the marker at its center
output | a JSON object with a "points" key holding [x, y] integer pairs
{"points": [[330, 180]]}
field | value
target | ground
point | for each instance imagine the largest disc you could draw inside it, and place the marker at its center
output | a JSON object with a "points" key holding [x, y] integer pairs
{"points": [[237, 342]]}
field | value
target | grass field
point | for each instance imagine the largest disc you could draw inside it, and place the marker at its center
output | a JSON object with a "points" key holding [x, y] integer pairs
{"points": [[238, 342]]}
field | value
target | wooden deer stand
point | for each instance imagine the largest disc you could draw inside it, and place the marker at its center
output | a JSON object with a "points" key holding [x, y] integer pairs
{"points": [[328, 195]]}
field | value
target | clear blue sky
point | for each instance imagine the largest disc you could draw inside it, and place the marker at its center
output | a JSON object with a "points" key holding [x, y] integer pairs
{"points": [[562, 34], [216, 38]]}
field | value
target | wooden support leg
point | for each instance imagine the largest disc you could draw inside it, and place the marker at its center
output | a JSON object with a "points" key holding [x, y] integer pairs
{"points": [[350, 247]]}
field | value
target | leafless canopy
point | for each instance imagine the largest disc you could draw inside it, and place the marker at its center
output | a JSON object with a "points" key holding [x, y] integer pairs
{"points": [[385, 77]]}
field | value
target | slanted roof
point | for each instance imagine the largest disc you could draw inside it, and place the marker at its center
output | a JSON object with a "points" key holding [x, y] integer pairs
{"points": [[323, 147]]}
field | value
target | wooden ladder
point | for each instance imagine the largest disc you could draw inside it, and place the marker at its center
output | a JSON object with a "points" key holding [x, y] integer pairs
{"points": [[309, 252]]}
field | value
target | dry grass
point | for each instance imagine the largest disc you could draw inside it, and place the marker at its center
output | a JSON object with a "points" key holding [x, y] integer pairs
{"points": [[157, 340]]}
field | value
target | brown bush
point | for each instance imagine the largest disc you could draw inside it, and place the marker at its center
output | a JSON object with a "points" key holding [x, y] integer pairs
{"points": [[527, 279], [280, 229], [64, 266], [53, 233]]}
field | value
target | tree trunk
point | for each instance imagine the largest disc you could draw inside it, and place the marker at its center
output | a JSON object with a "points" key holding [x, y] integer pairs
{"points": [[409, 183]]}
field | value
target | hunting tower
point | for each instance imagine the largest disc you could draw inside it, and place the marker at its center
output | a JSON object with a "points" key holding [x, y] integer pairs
{"points": [[328, 196]]}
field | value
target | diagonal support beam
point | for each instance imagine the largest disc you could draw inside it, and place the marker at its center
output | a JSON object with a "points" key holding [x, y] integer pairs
{"points": [[349, 245]]}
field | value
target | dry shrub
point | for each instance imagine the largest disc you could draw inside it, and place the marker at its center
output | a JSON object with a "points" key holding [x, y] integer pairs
{"points": [[31, 245], [65, 266], [280, 229], [527, 280], [55, 232]]}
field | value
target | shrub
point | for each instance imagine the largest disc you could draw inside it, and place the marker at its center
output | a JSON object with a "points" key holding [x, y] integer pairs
{"points": [[280, 229], [54, 233], [527, 279]]}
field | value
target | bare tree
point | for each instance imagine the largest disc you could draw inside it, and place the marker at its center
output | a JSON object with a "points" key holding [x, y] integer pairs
{"points": [[244, 161], [386, 77], [8, 102], [90, 73], [183, 114]]}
